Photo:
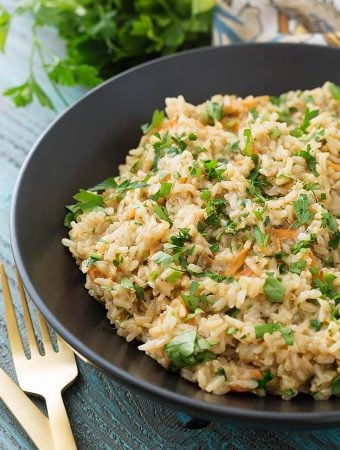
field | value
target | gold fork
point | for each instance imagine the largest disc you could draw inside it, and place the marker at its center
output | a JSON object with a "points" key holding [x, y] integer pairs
{"points": [[43, 375]]}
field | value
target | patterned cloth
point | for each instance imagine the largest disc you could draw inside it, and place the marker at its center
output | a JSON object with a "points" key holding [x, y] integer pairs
{"points": [[311, 21]]}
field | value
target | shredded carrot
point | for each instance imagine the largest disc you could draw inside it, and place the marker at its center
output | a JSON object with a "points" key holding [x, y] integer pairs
{"points": [[334, 165], [245, 272], [256, 374], [283, 233], [192, 321], [169, 123], [94, 272], [237, 262]]}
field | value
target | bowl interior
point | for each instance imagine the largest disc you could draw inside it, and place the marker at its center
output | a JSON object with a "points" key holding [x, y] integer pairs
{"points": [[84, 146]]}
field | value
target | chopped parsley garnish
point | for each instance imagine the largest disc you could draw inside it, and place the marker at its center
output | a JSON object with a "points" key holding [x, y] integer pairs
{"points": [[257, 183], [214, 169], [335, 240], [335, 91], [126, 185], [127, 283], [309, 115], [248, 148], [295, 248], [326, 286], [214, 112], [157, 120], [162, 213], [329, 221], [285, 115], [173, 277], [215, 209], [310, 160], [162, 192], [316, 324], [182, 237], [311, 186], [193, 301], [205, 194], [266, 377], [286, 333], [86, 202], [288, 392], [275, 133], [118, 260], [302, 211], [93, 258], [297, 267], [260, 238], [336, 386], [273, 289], [254, 113], [153, 275], [276, 100], [192, 137], [220, 372], [162, 258], [188, 349], [234, 147]]}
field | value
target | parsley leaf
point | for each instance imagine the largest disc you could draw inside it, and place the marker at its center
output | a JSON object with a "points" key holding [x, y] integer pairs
{"points": [[335, 240], [308, 116], [214, 111], [157, 120], [329, 221], [214, 169], [314, 323], [273, 289], [163, 191], [5, 19], [126, 185], [261, 238], [266, 377], [127, 283], [86, 201], [336, 386], [188, 349], [286, 333], [248, 148], [301, 208], [297, 267], [310, 160], [162, 213], [335, 91]]}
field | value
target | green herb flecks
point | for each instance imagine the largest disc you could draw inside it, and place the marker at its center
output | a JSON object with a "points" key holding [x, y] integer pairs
{"points": [[214, 169], [302, 211], [297, 267], [162, 213], [273, 289], [310, 160], [335, 91], [157, 120], [266, 377], [248, 148], [286, 333], [162, 192], [315, 324], [86, 202], [308, 116], [188, 349], [214, 112], [127, 284], [193, 300], [335, 386], [260, 238], [93, 258]]}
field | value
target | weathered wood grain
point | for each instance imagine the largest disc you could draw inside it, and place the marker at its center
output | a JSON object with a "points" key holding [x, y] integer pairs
{"points": [[104, 415]]}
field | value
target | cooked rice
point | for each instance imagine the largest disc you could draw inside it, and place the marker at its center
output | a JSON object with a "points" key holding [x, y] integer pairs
{"points": [[254, 213]]}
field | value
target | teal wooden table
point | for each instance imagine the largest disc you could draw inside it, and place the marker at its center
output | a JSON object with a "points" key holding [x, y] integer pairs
{"points": [[104, 415]]}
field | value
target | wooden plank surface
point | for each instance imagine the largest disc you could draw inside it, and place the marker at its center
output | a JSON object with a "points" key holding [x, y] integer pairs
{"points": [[104, 415]]}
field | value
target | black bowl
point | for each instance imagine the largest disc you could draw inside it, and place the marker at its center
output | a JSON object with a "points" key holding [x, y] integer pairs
{"points": [[84, 146]]}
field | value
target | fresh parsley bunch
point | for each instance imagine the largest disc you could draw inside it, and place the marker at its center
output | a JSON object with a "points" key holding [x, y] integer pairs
{"points": [[104, 37]]}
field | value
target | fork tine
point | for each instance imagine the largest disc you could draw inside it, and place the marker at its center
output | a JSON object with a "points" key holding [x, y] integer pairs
{"points": [[13, 332], [27, 316], [45, 335]]}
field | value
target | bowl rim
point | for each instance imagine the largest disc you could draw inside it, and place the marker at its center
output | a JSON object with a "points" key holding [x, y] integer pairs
{"points": [[200, 407]]}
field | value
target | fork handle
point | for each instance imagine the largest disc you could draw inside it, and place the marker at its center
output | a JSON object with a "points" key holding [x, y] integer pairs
{"points": [[60, 426]]}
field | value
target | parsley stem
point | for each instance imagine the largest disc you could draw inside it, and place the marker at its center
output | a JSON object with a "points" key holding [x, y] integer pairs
{"points": [[37, 45]]}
